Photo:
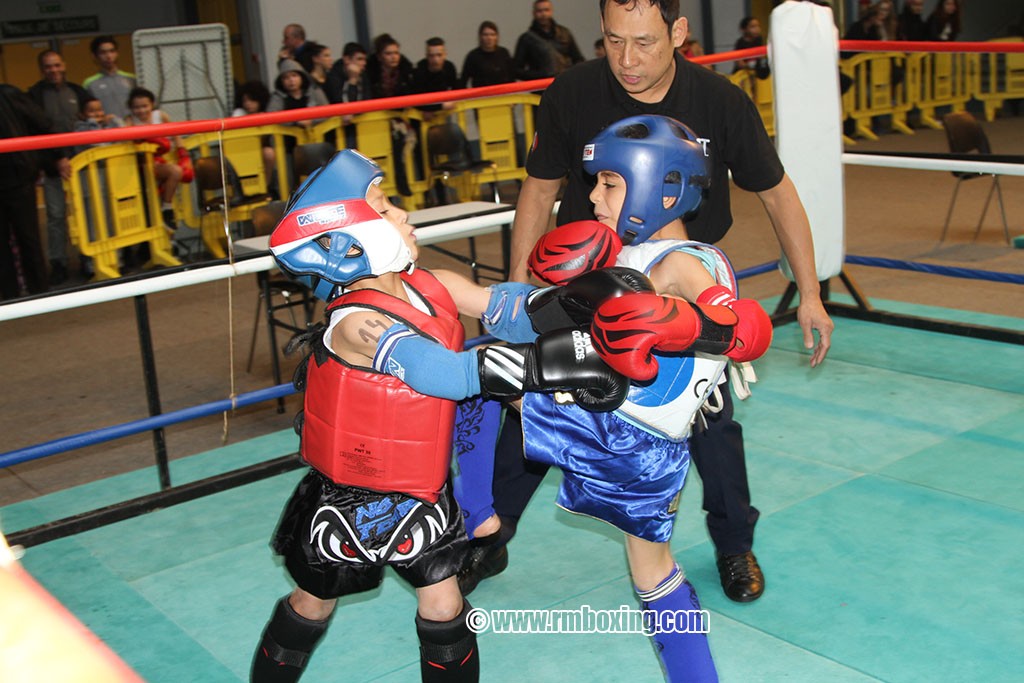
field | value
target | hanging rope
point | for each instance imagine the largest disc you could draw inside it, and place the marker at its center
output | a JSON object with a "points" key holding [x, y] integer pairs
{"points": [[233, 395]]}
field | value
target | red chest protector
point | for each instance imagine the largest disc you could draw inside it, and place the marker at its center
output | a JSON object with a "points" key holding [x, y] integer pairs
{"points": [[371, 430]]}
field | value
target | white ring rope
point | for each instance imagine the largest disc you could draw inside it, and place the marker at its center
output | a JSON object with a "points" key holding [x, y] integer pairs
{"points": [[920, 164], [457, 229]]}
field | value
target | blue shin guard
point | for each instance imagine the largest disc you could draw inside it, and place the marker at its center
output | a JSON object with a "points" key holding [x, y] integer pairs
{"points": [[679, 630], [476, 432]]}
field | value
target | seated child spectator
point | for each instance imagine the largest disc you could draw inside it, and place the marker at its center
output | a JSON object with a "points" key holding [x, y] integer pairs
{"points": [[142, 104], [293, 89], [253, 98], [91, 116]]}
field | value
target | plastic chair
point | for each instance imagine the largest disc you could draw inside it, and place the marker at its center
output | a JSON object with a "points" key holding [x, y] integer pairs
{"points": [[966, 135], [505, 127], [309, 157], [374, 138], [219, 186], [448, 156]]}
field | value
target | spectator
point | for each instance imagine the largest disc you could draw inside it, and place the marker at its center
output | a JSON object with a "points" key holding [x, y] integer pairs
{"points": [[317, 61], [346, 80], [599, 52], [691, 47], [912, 25], [865, 28], [390, 75], [888, 23], [488, 63], [750, 37], [944, 22], [435, 73], [142, 103], [91, 116], [111, 85], [20, 244], [546, 49], [293, 43], [293, 89], [388, 70], [252, 97], [61, 101]]}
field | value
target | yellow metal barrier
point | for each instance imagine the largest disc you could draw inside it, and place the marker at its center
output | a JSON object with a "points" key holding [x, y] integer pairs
{"points": [[997, 78], [760, 91], [496, 126], [878, 91], [244, 150], [938, 80], [113, 203], [373, 131]]}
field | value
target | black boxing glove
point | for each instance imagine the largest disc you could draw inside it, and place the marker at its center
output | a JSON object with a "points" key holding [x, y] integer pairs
{"points": [[563, 360], [573, 304]]}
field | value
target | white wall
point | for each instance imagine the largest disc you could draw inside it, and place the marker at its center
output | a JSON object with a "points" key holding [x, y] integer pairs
{"points": [[728, 14]]}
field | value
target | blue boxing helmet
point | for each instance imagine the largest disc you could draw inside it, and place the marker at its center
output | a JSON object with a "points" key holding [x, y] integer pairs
{"points": [[332, 235], [659, 158]]}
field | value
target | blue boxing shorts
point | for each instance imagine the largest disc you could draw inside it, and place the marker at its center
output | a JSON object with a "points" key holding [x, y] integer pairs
{"points": [[612, 470]]}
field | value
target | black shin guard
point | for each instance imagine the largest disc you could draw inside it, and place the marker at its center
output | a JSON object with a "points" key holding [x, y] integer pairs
{"points": [[448, 650], [287, 642]]}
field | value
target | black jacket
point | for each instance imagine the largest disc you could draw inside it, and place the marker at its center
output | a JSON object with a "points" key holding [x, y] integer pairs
{"points": [[36, 93], [337, 88], [541, 54], [402, 85], [20, 116]]}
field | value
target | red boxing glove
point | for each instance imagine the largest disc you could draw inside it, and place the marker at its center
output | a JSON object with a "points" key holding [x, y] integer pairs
{"points": [[163, 145], [627, 329], [754, 328], [188, 174], [573, 249]]}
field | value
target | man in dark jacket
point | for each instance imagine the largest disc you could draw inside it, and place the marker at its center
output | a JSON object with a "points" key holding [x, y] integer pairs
{"points": [[912, 25], [546, 49], [61, 101], [435, 73], [19, 225]]}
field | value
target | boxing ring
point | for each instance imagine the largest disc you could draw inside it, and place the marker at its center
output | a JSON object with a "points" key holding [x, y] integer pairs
{"points": [[137, 289]]}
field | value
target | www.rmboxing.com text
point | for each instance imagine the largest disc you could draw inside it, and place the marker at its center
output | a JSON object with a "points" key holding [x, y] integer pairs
{"points": [[586, 620]]}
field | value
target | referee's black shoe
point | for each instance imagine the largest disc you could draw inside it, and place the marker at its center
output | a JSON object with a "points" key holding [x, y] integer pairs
{"points": [[741, 576], [482, 562]]}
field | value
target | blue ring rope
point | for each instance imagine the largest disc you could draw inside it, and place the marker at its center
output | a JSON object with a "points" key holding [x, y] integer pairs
{"points": [[949, 271]]}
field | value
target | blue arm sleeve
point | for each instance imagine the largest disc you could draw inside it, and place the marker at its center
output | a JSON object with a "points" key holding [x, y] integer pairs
{"points": [[425, 365], [506, 316]]}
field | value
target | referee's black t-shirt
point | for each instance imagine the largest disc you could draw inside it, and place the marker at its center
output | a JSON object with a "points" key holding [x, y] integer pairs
{"points": [[587, 98]]}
